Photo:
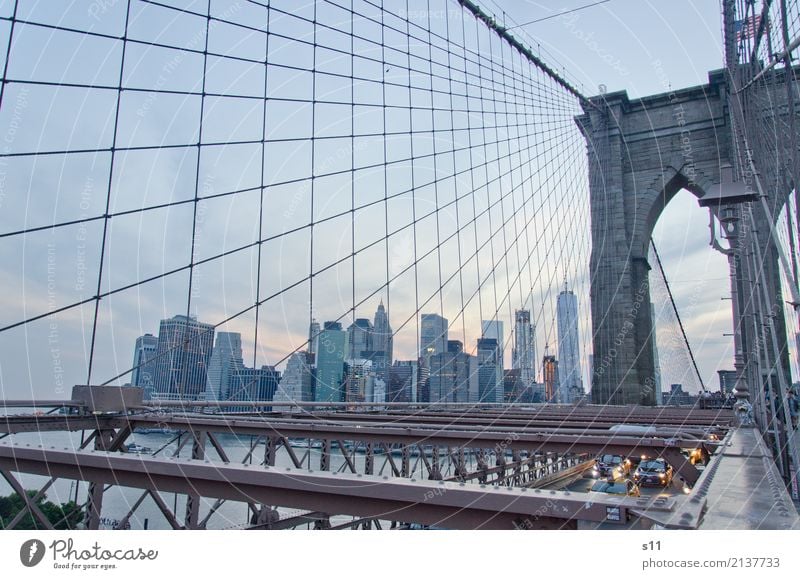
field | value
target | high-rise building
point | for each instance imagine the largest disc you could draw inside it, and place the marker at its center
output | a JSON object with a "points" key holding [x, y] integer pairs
{"points": [[423, 381], [403, 381], [569, 363], [330, 363], [523, 354], [727, 381], [382, 338], [379, 363], [514, 390], [359, 338], [253, 385], [433, 336], [144, 363], [226, 359], [359, 381], [550, 378], [182, 358], [490, 371], [449, 379], [313, 336], [297, 382]]}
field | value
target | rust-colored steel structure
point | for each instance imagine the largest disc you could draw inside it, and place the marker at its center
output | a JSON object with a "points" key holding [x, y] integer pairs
{"points": [[456, 466]]}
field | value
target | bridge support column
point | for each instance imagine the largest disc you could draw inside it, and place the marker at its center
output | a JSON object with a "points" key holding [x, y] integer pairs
{"points": [[325, 455], [95, 506], [193, 499], [369, 458], [405, 465], [270, 450]]}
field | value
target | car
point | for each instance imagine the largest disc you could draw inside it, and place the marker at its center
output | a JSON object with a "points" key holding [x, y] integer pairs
{"points": [[612, 465], [698, 455], [623, 487], [653, 471]]}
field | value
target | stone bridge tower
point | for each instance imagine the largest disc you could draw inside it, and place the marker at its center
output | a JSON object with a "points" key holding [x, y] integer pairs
{"points": [[641, 153]]}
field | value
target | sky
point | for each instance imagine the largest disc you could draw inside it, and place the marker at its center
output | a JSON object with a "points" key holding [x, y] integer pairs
{"points": [[639, 46], [649, 47]]}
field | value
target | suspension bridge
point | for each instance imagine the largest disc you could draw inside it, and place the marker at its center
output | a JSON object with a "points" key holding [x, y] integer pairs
{"points": [[226, 188]]}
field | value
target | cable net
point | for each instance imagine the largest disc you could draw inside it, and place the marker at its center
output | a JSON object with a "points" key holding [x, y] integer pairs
{"points": [[263, 166]]}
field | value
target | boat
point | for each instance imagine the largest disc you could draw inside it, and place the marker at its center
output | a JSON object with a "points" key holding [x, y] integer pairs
{"points": [[304, 443], [134, 448], [155, 431]]}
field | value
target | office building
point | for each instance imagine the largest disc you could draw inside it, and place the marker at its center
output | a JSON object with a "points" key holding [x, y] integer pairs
{"points": [[490, 371], [515, 390], [569, 365], [297, 382], [449, 379], [727, 381], [359, 381], [226, 359], [359, 338], [313, 336], [380, 365], [404, 378], [253, 385], [550, 379], [677, 397], [382, 338], [330, 363], [523, 353], [433, 336], [182, 357], [144, 363]]}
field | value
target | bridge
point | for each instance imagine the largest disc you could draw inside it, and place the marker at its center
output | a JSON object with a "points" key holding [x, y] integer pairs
{"points": [[247, 179]]}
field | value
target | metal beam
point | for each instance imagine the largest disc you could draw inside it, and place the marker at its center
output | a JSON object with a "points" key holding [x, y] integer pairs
{"points": [[448, 505], [29, 504]]}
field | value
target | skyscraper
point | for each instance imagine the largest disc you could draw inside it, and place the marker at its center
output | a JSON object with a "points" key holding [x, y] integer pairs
{"points": [[297, 382], [226, 359], [449, 379], [490, 371], [144, 363], [569, 363], [313, 336], [523, 354], [359, 381], [330, 363], [382, 338], [359, 338], [433, 336], [183, 354], [403, 381], [550, 377], [382, 331], [253, 385]]}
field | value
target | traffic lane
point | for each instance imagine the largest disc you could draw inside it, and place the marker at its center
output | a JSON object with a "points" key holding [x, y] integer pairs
{"points": [[584, 484]]}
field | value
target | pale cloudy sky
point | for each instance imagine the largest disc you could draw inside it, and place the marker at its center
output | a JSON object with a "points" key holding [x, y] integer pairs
{"points": [[616, 44], [648, 47]]}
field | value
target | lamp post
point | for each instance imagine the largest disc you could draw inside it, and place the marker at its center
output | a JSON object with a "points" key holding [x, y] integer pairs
{"points": [[726, 197]]}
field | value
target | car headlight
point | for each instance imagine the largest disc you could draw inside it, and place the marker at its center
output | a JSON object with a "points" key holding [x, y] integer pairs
{"points": [[662, 475]]}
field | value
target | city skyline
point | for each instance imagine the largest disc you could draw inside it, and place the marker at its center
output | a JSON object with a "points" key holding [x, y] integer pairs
{"points": [[140, 243]]}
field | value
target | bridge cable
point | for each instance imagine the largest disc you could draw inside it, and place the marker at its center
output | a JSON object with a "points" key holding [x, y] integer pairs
{"points": [[677, 315]]}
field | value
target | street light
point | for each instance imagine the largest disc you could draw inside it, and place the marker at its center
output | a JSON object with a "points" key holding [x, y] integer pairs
{"points": [[726, 197]]}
